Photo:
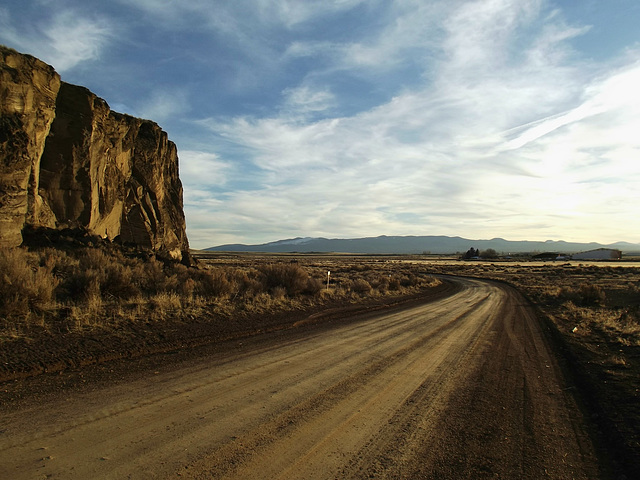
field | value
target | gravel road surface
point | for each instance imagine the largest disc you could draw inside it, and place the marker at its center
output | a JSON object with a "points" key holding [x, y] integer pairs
{"points": [[462, 387]]}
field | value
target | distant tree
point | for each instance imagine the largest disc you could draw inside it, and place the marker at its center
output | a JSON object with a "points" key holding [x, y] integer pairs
{"points": [[489, 253], [472, 252]]}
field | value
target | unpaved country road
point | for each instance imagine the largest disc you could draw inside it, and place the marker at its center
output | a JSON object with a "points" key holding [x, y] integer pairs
{"points": [[463, 387]]}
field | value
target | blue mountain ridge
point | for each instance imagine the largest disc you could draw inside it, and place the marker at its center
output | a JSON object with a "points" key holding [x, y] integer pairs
{"points": [[417, 245]]}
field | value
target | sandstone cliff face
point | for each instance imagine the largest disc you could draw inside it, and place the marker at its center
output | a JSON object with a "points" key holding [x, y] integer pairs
{"points": [[28, 92], [112, 174]]}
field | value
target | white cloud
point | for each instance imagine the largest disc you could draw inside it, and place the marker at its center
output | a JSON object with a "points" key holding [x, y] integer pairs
{"points": [[306, 99], [291, 13], [298, 48], [163, 104], [75, 39], [615, 95], [582, 162], [288, 13], [277, 144], [65, 40], [406, 32], [479, 32], [411, 34], [462, 117], [497, 141], [198, 169]]}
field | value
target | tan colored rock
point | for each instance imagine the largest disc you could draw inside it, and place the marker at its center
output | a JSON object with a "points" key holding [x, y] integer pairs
{"points": [[114, 175], [28, 91]]}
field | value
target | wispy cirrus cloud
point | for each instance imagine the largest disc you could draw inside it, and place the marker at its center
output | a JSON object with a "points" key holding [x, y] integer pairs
{"points": [[200, 168], [467, 149], [306, 99], [352, 118], [65, 38], [162, 104], [75, 39], [287, 13]]}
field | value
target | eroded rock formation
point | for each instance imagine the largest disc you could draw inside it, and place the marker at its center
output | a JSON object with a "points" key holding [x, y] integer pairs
{"points": [[28, 92], [67, 160]]}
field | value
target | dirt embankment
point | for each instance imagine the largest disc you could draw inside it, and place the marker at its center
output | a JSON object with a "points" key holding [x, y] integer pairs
{"points": [[49, 352]]}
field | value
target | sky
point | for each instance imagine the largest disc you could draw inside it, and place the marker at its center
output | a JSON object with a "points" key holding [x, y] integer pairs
{"points": [[517, 119]]}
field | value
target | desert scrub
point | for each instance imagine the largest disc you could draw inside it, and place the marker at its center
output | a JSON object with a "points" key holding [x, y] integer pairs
{"points": [[86, 288], [588, 302], [584, 294], [26, 287], [621, 327], [361, 286], [291, 277]]}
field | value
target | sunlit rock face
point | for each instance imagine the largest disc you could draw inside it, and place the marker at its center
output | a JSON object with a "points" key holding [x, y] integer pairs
{"points": [[28, 92], [89, 167]]}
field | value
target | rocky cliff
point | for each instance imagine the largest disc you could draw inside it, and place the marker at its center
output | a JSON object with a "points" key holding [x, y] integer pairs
{"points": [[68, 161], [28, 92]]}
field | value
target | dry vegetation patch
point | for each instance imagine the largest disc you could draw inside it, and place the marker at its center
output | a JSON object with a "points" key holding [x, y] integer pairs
{"points": [[57, 302]]}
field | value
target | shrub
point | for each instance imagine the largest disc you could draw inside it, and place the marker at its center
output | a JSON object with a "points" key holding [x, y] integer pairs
{"points": [[314, 286], [591, 294], [251, 288], [166, 302], [381, 284], [585, 294], [117, 281], [489, 253], [25, 286], [278, 292], [361, 286], [293, 278], [99, 274], [80, 284], [211, 282], [151, 277], [394, 283], [409, 280], [59, 263]]}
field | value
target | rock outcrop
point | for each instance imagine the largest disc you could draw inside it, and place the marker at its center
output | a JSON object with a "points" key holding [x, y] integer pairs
{"points": [[68, 161], [28, 92]]}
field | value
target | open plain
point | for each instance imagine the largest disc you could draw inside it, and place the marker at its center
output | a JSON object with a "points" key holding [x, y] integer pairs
{"points": [[464, 386], [469, 379]]}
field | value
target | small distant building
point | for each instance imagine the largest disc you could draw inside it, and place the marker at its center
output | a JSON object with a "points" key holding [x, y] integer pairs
{"points": [[598, 254]]}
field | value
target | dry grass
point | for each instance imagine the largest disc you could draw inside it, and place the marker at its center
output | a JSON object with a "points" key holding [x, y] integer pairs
{"points": [[596, 306], [26, 287], [91, 289]]}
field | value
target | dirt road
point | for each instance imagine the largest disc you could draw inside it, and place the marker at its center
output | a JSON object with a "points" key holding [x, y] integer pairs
{"points": [[465, 387]]}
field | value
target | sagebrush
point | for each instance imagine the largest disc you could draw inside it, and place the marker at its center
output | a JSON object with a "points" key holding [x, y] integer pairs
{"points": [[88, 288]]}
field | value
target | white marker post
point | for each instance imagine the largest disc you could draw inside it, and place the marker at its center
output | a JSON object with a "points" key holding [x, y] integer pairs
{"points": [[328, 275]]}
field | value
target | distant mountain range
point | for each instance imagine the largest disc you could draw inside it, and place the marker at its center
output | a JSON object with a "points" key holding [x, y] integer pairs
{"points": [[418, 244]]}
